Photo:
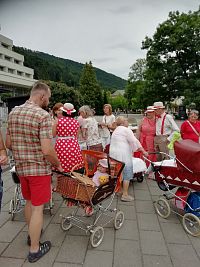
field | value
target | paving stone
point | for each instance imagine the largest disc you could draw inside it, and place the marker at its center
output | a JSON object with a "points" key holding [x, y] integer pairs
{"points": [[4, 217], [127, 254], [73, 249], [142, 195], [7, 262], [196, 243], [183, 256], [108, 240], [157, 261], [18, 247], [129, 230], [98, 258], [153, 243], [10, 230], [155, 191], [173, 218], [148, 222], [143, 206], [151, 183], [174, 233], [59, 264], [3, 247], [140, 186], [131, 203], [129, 211], [46, 261], [55, 234]]}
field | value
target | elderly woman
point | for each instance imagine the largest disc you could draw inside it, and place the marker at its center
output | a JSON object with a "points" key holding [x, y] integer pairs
{"points": [[107, 124], [147, 131], [190, 129], [90, 129], [123, 144]]}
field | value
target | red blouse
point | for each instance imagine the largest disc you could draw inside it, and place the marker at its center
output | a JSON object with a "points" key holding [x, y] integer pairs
{"points": [[188, 133]]}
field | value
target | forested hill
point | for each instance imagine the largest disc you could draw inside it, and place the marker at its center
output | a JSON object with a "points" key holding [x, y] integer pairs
{"points": [[49, 67]]}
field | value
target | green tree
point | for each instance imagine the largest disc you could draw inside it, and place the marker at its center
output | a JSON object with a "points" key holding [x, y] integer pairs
{"points": [[90, 90], [137, 70], [119, 102], [60, 92], [173, 58]]}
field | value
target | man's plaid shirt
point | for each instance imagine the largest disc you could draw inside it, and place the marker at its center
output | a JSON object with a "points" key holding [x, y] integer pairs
{"points": [[27, 125]]}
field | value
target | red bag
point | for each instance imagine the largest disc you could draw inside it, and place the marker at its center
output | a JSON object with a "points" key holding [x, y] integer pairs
{"points": [[188, 153]]}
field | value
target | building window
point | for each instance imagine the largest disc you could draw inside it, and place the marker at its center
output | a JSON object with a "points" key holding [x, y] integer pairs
{"points": [[5, 45], [7, 58], [19, 73], [16, 61], [28, 75], [10, 71], [1, 68]]}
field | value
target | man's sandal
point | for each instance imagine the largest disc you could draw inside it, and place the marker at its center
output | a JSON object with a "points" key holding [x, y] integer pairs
{"points": [[43, 249]]}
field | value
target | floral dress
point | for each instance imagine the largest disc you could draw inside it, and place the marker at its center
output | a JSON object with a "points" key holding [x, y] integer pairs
{"points": [[67, 146]]}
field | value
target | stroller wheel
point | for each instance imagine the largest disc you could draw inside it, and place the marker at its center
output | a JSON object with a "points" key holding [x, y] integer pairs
{"points": [[162, 207], [12, 209], [97, 236], [65, 224], [140, 178], [119, 220], [191, 224]]}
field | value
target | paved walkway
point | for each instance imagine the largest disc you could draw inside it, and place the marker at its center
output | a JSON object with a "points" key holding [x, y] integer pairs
{"points": [[144, 240]]}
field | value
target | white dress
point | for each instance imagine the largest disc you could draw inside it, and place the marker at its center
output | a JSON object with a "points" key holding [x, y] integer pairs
{"points": [[123, 144], [105, 132]]}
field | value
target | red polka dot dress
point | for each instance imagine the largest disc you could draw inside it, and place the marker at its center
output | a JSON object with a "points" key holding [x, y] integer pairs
{"points": [[67, 146]]}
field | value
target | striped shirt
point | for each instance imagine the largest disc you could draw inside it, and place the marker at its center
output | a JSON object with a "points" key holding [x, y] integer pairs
{"points": [[27, 125]]}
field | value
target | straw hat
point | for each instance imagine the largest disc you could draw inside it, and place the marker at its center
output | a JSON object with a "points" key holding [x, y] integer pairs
{"points": [[68, 108], [158, 105], [150, 109]]}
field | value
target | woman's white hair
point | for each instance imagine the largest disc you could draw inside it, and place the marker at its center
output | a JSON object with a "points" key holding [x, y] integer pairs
{"points": [[87, 110], [120, 120]]}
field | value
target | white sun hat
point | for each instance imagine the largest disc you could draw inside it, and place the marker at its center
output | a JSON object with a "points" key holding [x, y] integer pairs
{"points": [[68, 108]]}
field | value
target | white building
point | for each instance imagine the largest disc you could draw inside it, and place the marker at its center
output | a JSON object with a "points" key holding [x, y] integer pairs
{"points": [[13, 74]]}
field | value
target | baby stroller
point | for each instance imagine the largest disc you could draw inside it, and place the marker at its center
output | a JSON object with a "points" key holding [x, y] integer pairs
{"points": [[82, 192], [182, 174], [17, 202], [139, 169]]}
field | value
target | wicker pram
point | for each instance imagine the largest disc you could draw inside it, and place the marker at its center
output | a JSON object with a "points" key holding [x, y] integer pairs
{"points": [[83, 193]]}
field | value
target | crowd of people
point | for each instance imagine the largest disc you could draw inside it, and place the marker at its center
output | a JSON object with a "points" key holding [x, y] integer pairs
{"points": [[40, 142]]}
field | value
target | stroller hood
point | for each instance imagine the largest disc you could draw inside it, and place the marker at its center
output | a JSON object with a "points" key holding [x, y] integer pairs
{"points": [[188, 153]]}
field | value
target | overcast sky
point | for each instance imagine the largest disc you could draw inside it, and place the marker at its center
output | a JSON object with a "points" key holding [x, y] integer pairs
{"points": [[107, 32]]}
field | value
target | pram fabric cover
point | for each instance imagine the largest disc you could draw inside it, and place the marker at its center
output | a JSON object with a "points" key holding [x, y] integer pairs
{"points": [[188, 153]]}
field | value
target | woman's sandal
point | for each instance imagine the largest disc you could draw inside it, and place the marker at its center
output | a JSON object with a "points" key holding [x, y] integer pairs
{"points": [[43, 249]]}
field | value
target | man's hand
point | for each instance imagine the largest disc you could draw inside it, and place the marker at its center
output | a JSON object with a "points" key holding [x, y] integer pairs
{"points": [[3, 160]]}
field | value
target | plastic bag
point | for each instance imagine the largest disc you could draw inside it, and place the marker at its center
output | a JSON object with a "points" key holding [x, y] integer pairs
{"points": [[194, 201]]}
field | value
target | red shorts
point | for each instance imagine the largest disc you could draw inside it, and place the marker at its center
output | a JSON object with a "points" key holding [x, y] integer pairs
{"points": [[37, 189]]}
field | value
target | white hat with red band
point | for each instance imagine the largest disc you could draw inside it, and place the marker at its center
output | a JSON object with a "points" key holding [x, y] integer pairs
{"points": [[68, 108]]}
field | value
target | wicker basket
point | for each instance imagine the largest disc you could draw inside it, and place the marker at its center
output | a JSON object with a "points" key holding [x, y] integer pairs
{"points": [[74, 188]]}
